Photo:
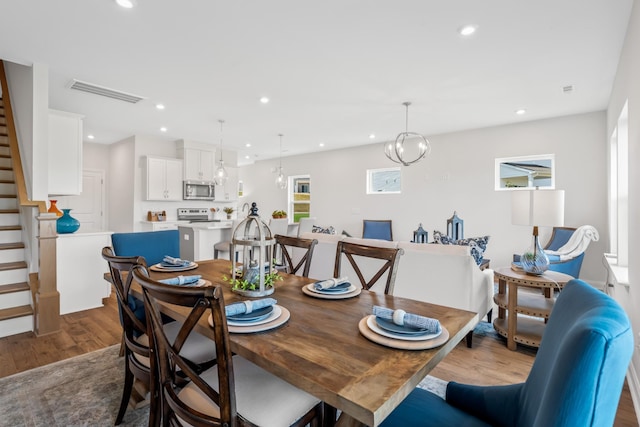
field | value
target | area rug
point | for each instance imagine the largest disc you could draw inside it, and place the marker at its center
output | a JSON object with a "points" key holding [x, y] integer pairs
{"points": [[86, 391], [81, 391]]}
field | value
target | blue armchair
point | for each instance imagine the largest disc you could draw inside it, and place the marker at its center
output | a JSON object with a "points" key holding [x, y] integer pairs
{"points": [[559, 238], [576, 379], [377, 229]]}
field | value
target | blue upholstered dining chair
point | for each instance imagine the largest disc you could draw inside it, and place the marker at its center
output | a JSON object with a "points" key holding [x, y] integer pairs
{"points": [[377, 229], [152, 245], [576, 379]]}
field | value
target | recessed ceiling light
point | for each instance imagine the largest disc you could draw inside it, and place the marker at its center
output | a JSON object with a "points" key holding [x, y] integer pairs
{"points": [[521, 111], [163, 129], [247, 145], [247, 157], [160, 106], [264, 100], [90, 136], [322, 144], [467, 30], [372, 135], [127, 4]]}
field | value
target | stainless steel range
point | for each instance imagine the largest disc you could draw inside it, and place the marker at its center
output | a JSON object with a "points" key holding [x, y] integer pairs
{"points": [[195, 215]]}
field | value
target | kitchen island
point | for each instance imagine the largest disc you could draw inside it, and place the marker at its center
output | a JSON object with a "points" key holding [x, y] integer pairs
{"points": [[197, 238]]}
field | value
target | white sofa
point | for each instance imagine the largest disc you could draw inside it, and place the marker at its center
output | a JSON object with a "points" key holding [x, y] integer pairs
{"points": [[440, 274]]}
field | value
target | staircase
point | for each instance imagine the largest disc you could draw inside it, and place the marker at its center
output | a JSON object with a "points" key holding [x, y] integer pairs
{"points": [[16, 309]]}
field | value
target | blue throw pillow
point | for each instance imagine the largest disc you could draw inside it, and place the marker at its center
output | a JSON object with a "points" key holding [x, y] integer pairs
{"points": [[442, 238], [477, 246]]}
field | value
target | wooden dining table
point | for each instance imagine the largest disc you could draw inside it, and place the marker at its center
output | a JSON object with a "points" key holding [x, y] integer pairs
{"points": [[321, 350]]}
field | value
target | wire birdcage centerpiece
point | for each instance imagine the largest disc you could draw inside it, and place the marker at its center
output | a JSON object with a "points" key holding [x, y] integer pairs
{"points": [[253, 238]]}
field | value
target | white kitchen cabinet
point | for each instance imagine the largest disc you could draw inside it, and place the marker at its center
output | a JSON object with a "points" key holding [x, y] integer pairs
{"points": [[65, 153], [163, 179], [199, 160]]}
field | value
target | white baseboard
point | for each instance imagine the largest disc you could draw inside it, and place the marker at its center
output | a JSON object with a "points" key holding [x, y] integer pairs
{"points": [[634, 388]]}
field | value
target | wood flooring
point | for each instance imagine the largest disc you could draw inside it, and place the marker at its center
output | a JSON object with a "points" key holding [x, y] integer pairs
{"points": [[489, 362]]}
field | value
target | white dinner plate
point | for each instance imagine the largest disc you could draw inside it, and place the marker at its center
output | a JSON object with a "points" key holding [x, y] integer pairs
{"points": [[272, 322], [371, 323]]}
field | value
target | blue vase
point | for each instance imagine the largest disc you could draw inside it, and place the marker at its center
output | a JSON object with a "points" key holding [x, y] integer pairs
{"points": [[66, 223]]}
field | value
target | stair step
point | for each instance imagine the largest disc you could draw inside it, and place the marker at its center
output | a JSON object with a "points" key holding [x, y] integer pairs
{"points": [[7, 196], [14, 287], [10, 227], [8, 211], [13, 312], [4, 266], [13, 245], [6, 168]]}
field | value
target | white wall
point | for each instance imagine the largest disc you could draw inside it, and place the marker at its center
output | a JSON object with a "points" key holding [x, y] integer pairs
{"points": [[120, 185], [457, 176], [627, 87]]}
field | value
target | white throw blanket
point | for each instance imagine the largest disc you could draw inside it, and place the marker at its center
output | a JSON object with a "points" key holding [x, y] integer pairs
{"points": [[577, 243]]}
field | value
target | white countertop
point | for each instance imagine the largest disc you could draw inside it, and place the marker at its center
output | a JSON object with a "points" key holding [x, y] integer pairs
{"points": [[84, 234], [208, 225]]}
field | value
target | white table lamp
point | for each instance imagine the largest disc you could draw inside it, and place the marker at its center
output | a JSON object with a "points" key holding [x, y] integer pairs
{"points": [[537, 208]]}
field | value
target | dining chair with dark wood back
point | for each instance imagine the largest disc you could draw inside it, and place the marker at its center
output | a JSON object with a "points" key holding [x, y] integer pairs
{"points": [[357, 253], [131, 317], [302, 257], [199, 350], [234, 392]]}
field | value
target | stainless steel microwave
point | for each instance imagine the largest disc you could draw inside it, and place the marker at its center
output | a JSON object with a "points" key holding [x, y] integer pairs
{"points": [[198, 190]]}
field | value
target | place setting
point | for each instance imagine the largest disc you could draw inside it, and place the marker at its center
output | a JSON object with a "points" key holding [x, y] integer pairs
{"points": [[172, 264], [402, 330], [336, 288], [254, 316]]}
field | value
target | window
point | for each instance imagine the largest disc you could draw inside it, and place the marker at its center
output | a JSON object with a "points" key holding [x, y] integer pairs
{"points": [[384, 181], [619, 189], [299, 205], [526, 172]]}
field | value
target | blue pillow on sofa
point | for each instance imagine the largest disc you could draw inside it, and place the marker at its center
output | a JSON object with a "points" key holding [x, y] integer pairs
{"points": [[477, 245]]}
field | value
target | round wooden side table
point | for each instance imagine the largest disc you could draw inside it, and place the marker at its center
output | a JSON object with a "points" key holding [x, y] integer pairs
{"points": [[518, 329]]}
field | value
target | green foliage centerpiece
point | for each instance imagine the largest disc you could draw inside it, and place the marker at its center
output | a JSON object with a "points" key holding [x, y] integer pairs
{"points": [[257, 275]]}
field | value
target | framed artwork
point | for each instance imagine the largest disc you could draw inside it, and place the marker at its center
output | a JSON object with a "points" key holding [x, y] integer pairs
{"points": [[384, 181], [525, 172]]}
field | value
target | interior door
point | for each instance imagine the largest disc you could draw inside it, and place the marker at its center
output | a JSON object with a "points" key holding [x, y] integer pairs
{"points": [[88, 207]]}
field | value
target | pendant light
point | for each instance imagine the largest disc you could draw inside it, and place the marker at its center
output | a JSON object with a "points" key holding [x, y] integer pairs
{"points": [[398, 151], [281, 180], [221, 174]]}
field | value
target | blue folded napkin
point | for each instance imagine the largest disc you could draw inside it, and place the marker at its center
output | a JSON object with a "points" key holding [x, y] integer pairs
{"points": [[181, 280], [402, 318], [246, 307], [175, 261], [329, 283]]}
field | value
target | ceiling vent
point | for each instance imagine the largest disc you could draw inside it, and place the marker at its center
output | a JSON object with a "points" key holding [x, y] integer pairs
{"points": [[567, 89], [104, 91]]}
